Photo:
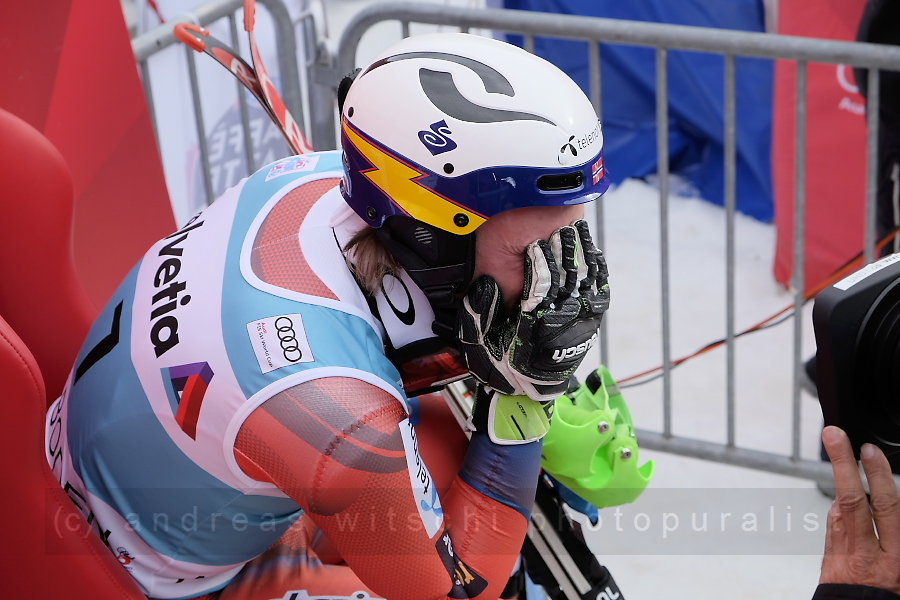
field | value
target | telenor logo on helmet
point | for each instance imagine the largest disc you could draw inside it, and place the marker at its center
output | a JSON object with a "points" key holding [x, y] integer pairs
{"points": [[437, 139], [574, 143], [588, 139], [569, 147]]}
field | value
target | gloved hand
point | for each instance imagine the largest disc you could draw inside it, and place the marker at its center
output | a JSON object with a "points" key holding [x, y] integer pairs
{"points": [[534, 350]]}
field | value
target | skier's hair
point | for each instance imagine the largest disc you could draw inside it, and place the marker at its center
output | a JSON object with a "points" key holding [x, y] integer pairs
{"points": [[369, 260]]}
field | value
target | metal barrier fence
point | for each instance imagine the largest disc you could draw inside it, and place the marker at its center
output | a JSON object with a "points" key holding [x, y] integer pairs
{"points": [[160, 38], [730, 44], [328, 69]]}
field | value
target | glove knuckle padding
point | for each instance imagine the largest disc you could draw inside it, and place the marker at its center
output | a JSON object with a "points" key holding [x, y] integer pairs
{"points": [[568, 261], [482, 298], [469, 330], [593, 259], [582, 266], [536, 350], [542, 279]]}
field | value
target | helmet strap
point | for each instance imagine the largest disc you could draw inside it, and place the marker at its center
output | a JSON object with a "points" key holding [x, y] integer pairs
{"points": [[439, 262]]}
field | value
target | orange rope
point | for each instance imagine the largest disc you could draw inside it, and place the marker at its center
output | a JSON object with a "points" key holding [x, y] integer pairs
{"points": [[852, 265]]}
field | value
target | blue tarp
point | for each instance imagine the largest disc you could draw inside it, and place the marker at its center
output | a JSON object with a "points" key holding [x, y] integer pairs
{"points": [[696, 96]]}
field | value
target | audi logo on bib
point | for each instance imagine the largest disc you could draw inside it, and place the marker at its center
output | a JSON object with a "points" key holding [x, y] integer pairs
{"points": [[288, 338], [280, 341]]}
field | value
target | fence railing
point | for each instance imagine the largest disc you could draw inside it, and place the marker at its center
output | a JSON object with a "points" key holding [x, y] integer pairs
{"points": [[327, 68], [162, 37], [663, 37]]}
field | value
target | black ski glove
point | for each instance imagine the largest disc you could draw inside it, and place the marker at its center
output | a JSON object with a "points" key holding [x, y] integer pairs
{"points": [[534, 350]]}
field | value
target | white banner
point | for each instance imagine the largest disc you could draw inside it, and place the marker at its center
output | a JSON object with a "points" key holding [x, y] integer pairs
{"points": [[174, 110]]}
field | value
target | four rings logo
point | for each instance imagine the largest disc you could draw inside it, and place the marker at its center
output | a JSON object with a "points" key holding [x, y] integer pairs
{"points": [[279, 341], [284, 328]]}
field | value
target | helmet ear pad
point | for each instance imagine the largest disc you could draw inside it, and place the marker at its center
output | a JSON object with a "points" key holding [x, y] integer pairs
{"points": [[344, 87], [439, 262]]}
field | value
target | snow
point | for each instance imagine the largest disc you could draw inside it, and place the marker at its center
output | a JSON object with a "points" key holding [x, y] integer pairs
{"points": [[697, 294], [779, 555]]}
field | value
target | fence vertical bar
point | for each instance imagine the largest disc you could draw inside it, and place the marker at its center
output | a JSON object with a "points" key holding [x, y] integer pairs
{"points": [[730, 212], [662, 151], [148, 92], [201, 127], [594, 69], [242, 103], [599, 233], [528, 43], [799, 277], [287, 60], [872, 105]]}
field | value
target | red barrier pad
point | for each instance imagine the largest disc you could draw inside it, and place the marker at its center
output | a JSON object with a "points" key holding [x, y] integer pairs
{"points": [[835, 146], [69, 71]]}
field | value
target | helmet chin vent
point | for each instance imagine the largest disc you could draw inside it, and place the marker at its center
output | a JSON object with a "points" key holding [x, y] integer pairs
{"points": [[422, 235], [559, 183]]}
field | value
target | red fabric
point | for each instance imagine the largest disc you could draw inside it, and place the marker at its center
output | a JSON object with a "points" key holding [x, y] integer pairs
{"points": [[295, 563], [334, 445], [835, 146], [40, 296], [48, 549], [69, 71], [277, 257]]}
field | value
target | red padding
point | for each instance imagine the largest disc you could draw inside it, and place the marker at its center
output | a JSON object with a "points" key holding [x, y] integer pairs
{"points": [[48, 550], [40, 295]]}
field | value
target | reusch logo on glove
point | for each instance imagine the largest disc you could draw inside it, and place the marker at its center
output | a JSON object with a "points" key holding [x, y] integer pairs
{"points": [[608, 594], [561, 354]]}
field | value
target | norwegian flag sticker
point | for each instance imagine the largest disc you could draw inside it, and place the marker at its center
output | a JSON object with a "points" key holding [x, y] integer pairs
{"points": [[597, 170]]}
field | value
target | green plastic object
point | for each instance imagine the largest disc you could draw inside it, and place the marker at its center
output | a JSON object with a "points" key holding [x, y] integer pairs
{"points": [[518, 419], [591, 447]]}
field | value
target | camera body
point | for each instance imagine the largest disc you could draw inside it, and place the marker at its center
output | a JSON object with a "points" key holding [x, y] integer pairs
{"points": [[857, 327]]}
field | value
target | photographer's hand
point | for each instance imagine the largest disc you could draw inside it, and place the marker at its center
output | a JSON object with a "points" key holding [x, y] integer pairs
{"points": [[862, 542]]}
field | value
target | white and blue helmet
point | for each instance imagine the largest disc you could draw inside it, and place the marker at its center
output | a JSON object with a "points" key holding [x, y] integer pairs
{"points": [[451, 129]]}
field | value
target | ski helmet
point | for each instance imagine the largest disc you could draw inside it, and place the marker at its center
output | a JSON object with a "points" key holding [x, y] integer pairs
{"points": [[452, 128]]}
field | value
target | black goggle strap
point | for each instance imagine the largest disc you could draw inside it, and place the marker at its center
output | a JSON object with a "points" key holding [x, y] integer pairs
{"points": [[439, 262]]}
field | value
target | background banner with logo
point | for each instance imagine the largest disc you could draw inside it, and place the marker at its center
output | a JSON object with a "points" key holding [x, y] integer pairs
{"points": [[219, 102], [835, 146]]}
